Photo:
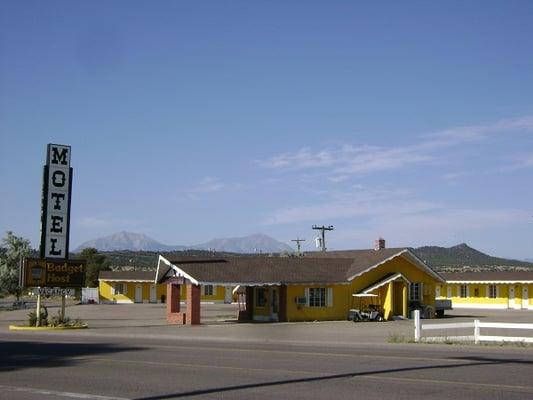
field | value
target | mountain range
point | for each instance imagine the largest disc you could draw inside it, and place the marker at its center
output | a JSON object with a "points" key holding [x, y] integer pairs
{"points": [[135, 249], [462, 255], [140, 242]]}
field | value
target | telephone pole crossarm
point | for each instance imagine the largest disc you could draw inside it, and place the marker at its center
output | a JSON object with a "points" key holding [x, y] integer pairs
{"points": [[323, 229]]}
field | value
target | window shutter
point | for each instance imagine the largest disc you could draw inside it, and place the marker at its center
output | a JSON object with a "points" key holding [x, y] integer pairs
{"points": [[330, 297], [306, 291]]}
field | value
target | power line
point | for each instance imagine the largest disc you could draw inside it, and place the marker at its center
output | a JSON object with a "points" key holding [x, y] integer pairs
{"points": [[323, 229]]}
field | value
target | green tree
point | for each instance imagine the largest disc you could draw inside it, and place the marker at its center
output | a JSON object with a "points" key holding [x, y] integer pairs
{"points": [[12, 250], [96, 262]]}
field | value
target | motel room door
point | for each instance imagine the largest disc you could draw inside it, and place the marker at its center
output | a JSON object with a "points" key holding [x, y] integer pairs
{"points": [[525, 297], [138, 293], [511, 296], [228, 295], [153, 294], [274, 303]]}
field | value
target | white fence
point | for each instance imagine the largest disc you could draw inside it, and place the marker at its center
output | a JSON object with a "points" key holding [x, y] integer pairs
{"points": [[476, 325]]}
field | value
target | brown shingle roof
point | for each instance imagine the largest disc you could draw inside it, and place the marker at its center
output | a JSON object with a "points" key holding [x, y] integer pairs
{"points": [[511, 276], [319, 268], [127, 275]]}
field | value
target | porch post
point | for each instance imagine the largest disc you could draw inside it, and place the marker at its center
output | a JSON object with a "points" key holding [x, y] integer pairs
{"points": [[193, 304], [282, 316], [250, 303], [173, 304], [404, 301]]}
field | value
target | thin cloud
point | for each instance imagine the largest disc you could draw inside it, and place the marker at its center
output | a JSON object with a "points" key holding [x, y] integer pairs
{"points": [[349, 160], [207, 185]]}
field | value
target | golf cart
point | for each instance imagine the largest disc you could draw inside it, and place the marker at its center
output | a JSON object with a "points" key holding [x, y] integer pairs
{"points": [[365, 312]]}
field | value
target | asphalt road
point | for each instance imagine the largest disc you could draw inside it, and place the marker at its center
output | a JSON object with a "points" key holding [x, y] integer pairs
{"points": [[51, 366]]}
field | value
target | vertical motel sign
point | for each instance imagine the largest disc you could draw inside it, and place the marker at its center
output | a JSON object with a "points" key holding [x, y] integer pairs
{"points": [[55, 204]]}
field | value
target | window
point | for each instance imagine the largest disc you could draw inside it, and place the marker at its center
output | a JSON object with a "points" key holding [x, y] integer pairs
{"points": [[476, 292], [463, 291], [493, 292], [317, 297], [208, 290], [414, 291], [260, 297], [120, 288]]}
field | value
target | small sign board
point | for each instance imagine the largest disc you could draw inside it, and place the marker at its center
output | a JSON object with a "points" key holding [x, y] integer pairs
{"points": [[50, 273], [56, 291]]}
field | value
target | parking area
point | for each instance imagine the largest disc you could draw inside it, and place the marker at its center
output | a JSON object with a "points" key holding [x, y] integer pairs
{"points": [[219, 322]]}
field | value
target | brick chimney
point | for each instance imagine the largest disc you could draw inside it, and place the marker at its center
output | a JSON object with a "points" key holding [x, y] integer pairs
{"points": [[379, 244]]}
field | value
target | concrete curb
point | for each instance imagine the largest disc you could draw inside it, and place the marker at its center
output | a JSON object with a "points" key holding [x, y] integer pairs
{"points": [[45, 328]]}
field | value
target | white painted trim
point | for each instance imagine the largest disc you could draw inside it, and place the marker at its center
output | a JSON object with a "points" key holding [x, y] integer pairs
{"points": [[124, 301], [480, 281], [385, 281], [126, 280], [178, 271], [480, 306]]}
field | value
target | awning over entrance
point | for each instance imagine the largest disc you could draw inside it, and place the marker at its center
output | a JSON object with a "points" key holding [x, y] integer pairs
{"points": [[383, 282]]}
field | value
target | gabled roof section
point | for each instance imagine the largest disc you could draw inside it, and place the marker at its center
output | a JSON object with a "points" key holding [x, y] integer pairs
{"points": [[367, 260], [127, 276], [264, 271], [324, 268]]}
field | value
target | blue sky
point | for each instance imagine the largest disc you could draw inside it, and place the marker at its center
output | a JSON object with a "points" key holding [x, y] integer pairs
{"points": [[407, 120]]}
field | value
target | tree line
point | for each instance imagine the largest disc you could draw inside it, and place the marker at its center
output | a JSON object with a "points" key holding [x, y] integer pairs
{"points": [[13, 249]]}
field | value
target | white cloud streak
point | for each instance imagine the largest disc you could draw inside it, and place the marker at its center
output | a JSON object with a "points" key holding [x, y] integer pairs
{"points": [[349, 160]]}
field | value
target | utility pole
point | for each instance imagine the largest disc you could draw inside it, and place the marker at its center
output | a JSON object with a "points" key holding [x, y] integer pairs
{"points": [[298, 240], [323, 229]]}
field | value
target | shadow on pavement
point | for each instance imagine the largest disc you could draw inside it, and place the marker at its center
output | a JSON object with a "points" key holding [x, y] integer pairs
{"points": [[468, 362], [17, 355]]}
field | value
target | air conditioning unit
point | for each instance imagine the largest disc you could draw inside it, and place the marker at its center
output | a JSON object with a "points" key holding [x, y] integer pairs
{"points": [[300, 301]]}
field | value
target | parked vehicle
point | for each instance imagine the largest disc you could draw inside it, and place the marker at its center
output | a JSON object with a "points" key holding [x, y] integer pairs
{"points": [[441, 306]]}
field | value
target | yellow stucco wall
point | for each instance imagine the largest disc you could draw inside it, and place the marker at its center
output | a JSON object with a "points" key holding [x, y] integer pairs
{"points": [[482, 300], [106, 292], [340, 304], [343, 300]]}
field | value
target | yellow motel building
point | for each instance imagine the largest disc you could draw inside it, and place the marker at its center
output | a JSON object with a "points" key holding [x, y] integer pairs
{"points": [[318, 286], [488, 290], [141, 287]]}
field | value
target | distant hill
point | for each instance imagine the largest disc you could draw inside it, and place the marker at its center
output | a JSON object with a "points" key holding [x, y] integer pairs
{"points": [[248, 244], [128, 241], [462, 255]]}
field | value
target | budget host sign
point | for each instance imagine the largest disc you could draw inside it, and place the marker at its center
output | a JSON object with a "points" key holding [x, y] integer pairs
{"points": [[55, 203], [38, 272]]}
